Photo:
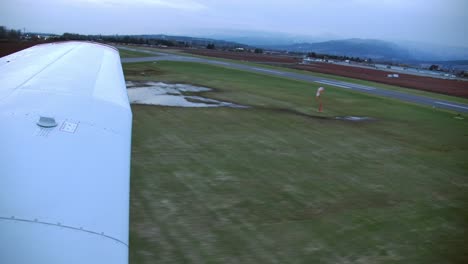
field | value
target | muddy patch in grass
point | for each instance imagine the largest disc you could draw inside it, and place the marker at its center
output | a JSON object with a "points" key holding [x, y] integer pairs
{"points": [[180, 95], [320, 117], [150, 72]]}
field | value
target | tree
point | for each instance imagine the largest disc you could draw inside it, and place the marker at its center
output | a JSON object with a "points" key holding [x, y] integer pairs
{"points": [[312, 55], [10, 34], [434, 67], [3, 32], [259, 51], [210, 46]]}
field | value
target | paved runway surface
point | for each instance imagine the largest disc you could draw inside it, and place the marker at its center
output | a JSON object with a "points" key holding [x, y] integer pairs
{"points": [[159, 56]]}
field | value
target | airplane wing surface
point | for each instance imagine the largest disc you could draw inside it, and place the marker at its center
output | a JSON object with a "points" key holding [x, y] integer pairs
{"points": [[65, 141]]}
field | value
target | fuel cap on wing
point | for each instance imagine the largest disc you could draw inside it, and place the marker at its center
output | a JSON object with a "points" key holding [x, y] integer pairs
{"points": [[46, 122]]}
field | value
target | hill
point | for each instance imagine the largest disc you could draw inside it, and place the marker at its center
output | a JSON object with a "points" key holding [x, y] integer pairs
{"points": [[363, 48]]}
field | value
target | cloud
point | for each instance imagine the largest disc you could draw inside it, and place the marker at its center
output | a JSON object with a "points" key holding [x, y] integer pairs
{"points": [[173, 4]]}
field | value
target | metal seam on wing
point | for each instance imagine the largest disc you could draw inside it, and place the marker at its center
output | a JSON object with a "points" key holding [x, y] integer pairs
{"points": [[35, 221], [37, 73]]}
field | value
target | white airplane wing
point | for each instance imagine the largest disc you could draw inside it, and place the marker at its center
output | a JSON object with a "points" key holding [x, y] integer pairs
{"points": [[65, 139]]}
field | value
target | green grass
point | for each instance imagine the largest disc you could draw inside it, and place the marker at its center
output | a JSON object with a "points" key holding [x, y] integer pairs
{"points": [[328, 76], [280, 183], [133, 54]]}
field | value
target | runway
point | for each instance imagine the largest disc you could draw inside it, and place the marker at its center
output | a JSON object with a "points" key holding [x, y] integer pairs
{"points": [[436, 103]]}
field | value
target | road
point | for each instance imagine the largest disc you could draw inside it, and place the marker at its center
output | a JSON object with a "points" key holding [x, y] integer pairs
{"points": [[436, 103]]}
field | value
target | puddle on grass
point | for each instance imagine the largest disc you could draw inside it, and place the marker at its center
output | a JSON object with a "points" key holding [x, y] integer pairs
{"points": [[159, 93], [355, 118]]}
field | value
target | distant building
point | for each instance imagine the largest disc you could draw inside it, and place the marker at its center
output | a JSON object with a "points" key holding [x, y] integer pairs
{"points": [[307, 60]]}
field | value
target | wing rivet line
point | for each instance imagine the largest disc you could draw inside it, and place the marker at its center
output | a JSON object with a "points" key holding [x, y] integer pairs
{"points": [[58, 224]]}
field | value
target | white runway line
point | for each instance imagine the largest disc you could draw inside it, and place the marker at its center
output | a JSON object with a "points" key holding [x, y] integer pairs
{"points": [[334, 84], [361, 87], [452, 105], [270, 71], [346, 85], [222, 63]]}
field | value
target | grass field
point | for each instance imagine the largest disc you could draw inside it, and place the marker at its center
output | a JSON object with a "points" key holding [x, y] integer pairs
{"points": [[133, 54], [281, 183]]}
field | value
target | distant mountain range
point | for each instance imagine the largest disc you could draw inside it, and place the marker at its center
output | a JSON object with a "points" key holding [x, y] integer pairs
{"points": [[262, 38], [377, 50], [336, 45], [380, 50], [374, 49]]}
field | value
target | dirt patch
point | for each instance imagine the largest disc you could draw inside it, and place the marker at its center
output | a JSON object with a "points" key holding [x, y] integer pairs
{"points": [[353, 119], [151, 72], [295, 112], [449, 87]]}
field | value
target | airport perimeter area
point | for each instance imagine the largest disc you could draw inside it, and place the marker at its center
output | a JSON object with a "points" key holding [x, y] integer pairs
{"points": [[278, 182]]}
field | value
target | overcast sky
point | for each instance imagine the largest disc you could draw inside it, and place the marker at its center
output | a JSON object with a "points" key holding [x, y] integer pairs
{"points": [[432, 21]]}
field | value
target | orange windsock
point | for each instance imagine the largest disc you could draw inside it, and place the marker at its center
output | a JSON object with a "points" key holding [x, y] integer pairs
{"points": [[320, 90]]}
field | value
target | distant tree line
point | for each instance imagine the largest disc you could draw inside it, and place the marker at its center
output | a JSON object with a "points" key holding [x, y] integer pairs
{"points": [[122, 39], [434, 67], [154, 41], [9, 34], [335, 57]]}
